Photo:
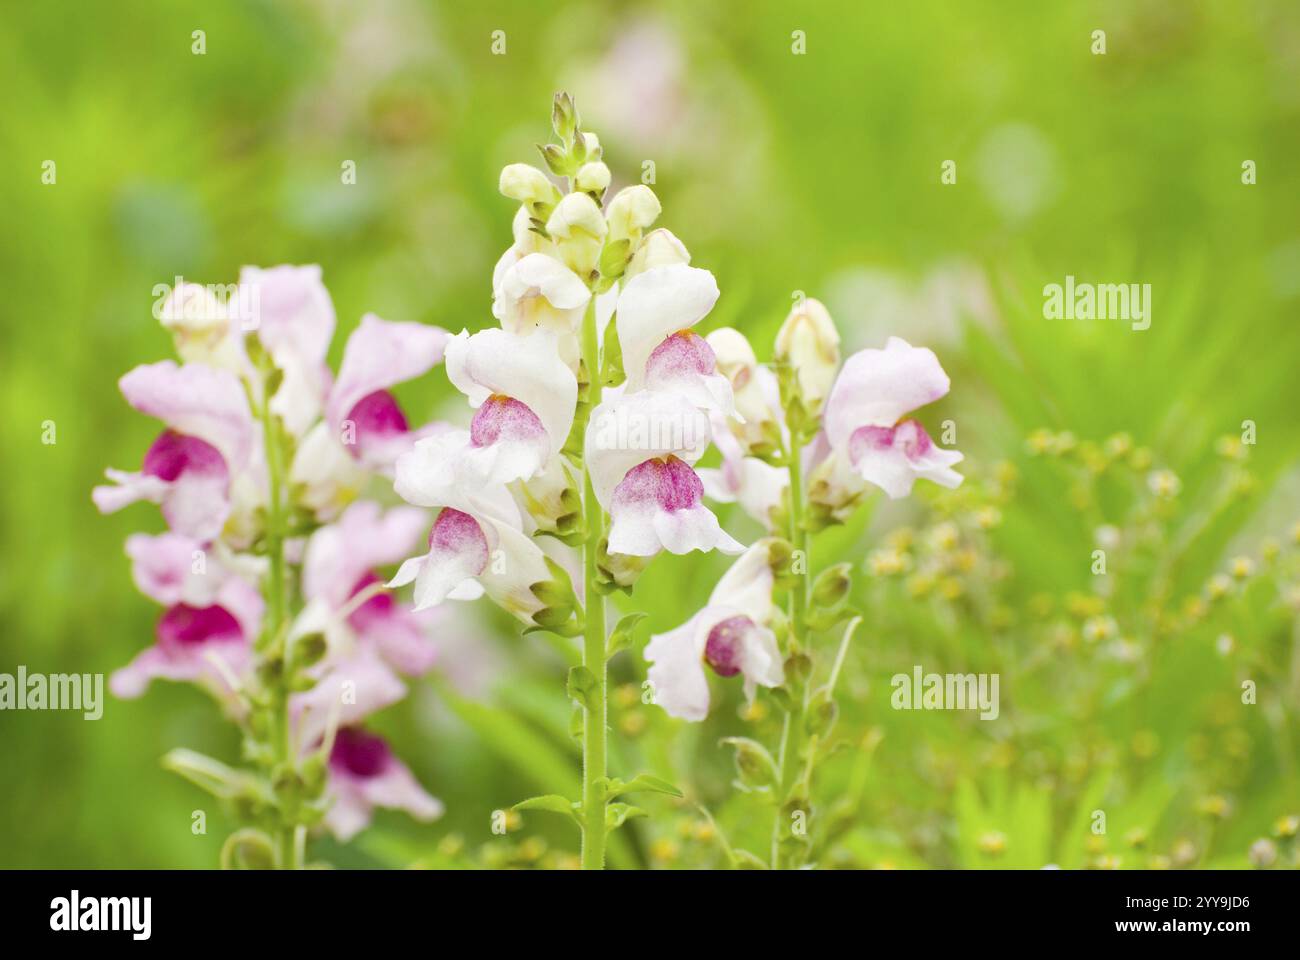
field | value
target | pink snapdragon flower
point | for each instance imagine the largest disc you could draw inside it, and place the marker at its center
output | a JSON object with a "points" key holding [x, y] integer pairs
{"points": [[207, 447], [213, 614], [364, 774], [865, 423], [364, 430], [342, 560]]}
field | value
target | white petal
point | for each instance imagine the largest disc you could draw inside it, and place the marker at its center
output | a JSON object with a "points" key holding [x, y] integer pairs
{"points": [[681, 687], [656, 304], [879, 387], [526, 368], [627, 431], [761, 661]]}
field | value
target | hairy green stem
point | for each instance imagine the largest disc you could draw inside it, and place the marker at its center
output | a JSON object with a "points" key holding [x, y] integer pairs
{"points": [[593, 645], [792, 728], [288, 853]]}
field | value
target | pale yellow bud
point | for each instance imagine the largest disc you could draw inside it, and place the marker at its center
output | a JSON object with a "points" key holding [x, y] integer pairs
{"points": [[578, 229], [632, 210], [736, 361], [810, 344], [527, 184], [659, 248], [592, 178]]}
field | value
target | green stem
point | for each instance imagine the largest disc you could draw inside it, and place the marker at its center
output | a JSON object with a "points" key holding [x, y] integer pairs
{"points": [[276, 619], [787, 758], [593, 646]]}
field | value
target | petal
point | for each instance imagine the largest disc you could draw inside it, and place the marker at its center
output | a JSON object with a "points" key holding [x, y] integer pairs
{"points": [[747, 585], [330, 478], [631, 429], [527, 369], [656, 304], [292, 309], [128, 488], [197, 504], [349, 813], [894, 457], [878, 387], [294, 318], [540, 291], [657, 506], [433, 474], [695, 529], [515, 564], [379, 355], [360, 683], [761, 660], [459, 550], [364, 537], [173, 568], [681, 687], [195, 401], [684, 364], [397, 789]]}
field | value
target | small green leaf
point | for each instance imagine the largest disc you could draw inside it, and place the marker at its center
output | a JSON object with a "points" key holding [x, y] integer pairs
{"points": [[616, 814], [551, 803], [621, 638], [643, 783], [581, 682]]}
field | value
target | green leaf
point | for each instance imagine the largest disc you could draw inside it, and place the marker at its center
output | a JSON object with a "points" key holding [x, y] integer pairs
{"points": [[642, 783], [551, 803], [621, 638], [581, 682], [616, 814]]}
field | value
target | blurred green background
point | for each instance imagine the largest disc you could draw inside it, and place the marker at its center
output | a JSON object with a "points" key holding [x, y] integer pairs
{"points": [[817, 173]]}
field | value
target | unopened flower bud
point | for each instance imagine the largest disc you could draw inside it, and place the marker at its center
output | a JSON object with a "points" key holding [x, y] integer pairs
{"points": [[527, 184], [578, 229], [832, 585], [754, 764], [810, 344], [592, 178], [564, 116], [658, 248], [632, 210]]}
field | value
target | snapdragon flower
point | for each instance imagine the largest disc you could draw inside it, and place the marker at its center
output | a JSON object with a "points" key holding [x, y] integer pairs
{"points": [[524, 397], [364, 429], [656, 311], [731, 635], [476, 544], [213, 613], [640, 448], [364, 774], [205, 449], [865, 425]]}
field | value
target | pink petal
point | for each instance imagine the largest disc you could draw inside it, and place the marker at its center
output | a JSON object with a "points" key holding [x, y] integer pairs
{"points": [[878, 387], [379, 355]]}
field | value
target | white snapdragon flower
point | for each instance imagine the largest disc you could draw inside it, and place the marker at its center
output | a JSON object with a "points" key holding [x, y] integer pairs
{"points": [[524, 397], [864, 422], [639, 449], [731, 635]]}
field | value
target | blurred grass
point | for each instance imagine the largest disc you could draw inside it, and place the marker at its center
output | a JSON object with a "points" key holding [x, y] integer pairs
{"points": [[781, 173]]}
